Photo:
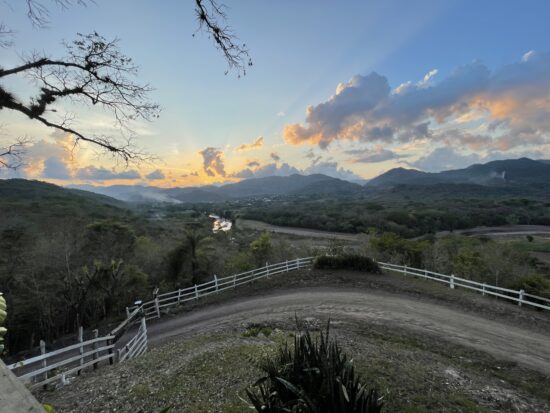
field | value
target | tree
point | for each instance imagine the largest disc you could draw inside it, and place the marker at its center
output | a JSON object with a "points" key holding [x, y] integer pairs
{"points": [[95, 71], [260, 249], [190, 258]]}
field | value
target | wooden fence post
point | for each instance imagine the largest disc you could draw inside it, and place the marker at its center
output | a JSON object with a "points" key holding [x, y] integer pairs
{"points": [[452, 282], [95, 334], [286, 265], [234, 280], [483, 289], [157, 308], [405, 273], [112, 358], [216, 282], [81, 349], [196, 292], [44, 362], [127, 312], [521, 292], [144, 327], [156, 298], [267, 269]]}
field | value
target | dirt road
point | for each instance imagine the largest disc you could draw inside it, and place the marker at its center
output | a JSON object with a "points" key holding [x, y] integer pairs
{"points": [[302, 232], [505, 230], [343, 304]]}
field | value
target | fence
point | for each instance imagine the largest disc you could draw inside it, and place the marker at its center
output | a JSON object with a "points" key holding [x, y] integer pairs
{"points": [[57, 365], [136, 346], [152, 309], [518, 296]]}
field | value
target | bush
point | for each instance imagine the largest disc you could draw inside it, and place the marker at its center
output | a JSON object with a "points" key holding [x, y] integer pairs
{"points": [[347, 262], [313, 376], [535, 284]]}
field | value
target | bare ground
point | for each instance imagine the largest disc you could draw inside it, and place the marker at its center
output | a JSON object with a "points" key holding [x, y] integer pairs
{"points": [[426, 347]]}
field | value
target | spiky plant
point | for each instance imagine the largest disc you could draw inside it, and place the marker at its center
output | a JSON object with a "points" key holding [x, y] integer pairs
{"points": [[312, 376]]}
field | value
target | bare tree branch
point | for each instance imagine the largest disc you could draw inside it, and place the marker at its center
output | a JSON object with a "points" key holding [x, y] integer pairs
{"points": [[94, 72], [11, 156], [212, 18], [39, 14]]}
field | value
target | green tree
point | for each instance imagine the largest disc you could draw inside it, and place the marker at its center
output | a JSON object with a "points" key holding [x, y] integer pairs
{"points": [[260, 249]]}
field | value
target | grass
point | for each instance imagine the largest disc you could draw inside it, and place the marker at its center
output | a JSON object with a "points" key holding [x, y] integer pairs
{"points": [[539, 244], [414, 372]]}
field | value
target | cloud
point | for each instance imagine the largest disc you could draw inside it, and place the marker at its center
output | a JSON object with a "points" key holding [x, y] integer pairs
{"points": [[375, 155], [331, 168], [366, 109], [444, 158], [281, 114], [271, 169], [94, 173], [274, 156], [257, 144], [212, 161], [156, 174], [55, 168], [253, 164]]}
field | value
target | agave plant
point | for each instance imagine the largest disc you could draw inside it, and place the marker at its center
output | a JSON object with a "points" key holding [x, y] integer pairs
{"points": [[312, 376]]}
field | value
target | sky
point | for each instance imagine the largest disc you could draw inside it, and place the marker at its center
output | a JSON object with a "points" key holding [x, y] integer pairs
{"points": [[350, 89]]}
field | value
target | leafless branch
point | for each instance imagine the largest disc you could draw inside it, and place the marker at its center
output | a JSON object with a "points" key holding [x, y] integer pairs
{"points": [[39, 14], [94, 72], [11, 156], [212, 18]]}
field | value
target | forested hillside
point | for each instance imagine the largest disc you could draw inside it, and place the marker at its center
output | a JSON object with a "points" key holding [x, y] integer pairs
{"points": [[70, 258]]}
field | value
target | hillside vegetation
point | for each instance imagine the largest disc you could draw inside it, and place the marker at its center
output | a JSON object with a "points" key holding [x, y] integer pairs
{"points": [[71, 258]]}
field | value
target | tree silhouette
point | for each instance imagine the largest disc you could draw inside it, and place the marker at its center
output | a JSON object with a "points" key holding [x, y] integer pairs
{"points": [[96, 72]]}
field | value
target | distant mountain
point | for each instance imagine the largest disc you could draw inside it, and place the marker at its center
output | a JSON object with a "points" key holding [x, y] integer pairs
{"points": [[248, 188], [511, 172]]}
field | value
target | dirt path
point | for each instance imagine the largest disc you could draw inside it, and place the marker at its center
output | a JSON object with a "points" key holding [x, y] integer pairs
{"points": [[303, 232], [496, 338], [505, 230]]}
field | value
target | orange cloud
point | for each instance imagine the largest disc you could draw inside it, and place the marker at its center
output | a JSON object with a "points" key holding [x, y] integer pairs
{"points": [[257, 144]]}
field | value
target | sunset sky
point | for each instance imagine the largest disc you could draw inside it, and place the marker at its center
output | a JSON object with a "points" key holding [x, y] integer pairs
{"points": [[346, 88]]}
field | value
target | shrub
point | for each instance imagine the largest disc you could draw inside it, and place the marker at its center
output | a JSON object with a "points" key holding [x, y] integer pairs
{"points": [[534, 284], [313, 376], [347, 262]]}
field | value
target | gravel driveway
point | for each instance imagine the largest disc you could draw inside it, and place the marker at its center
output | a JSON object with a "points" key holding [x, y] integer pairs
{"points": [[500, 339]]}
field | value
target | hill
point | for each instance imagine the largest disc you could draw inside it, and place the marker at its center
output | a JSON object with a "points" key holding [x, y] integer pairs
{"points": [[248, 188], [510, 172], [41, 206]]}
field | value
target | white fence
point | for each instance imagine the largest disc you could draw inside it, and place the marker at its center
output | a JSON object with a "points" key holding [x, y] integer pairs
{"points": [[57, 365], [136, 346], [518, 296], [152, 309]]}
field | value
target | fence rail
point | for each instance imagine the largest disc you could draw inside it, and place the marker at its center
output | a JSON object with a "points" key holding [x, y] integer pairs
{"points": [[518, 296], [58, 364], [152, 309], [136, 346]]}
